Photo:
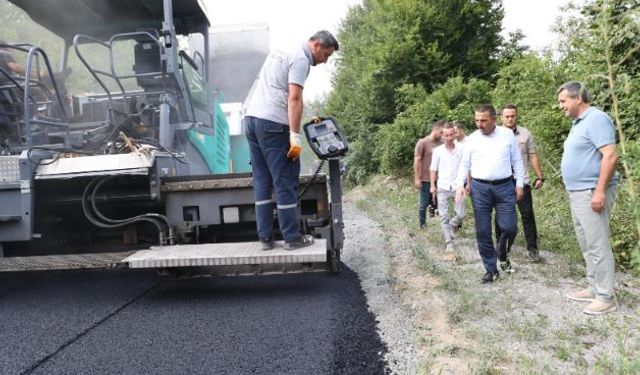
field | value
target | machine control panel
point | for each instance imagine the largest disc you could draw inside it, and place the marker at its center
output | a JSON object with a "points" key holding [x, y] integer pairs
{"points": [[325, 138]]}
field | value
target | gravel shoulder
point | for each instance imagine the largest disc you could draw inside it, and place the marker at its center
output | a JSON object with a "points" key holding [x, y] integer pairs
{"points": [[436, 317]]}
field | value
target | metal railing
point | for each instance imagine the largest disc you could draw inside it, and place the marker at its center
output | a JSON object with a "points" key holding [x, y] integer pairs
{"points": [[29, 103]]}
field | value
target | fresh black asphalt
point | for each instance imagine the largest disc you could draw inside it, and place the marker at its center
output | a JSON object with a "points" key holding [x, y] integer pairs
{"points": [[126, 322]]}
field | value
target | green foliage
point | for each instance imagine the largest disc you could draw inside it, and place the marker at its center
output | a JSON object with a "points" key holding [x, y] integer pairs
{"points": [[454, 100], [553, 219], [393, 53], [513, 48], [360, 162], [396, 143], [625, 239], [530, 83]]}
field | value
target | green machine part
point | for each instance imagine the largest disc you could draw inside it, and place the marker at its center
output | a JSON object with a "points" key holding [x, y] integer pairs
{"points": [[215, 149], [240, 155]]}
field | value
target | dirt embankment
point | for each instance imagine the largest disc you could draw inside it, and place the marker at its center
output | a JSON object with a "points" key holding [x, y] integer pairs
{"points": [[436, 317]]}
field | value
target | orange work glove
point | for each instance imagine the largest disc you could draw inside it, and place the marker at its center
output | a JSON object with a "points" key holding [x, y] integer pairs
{"points": [[295, 149]]}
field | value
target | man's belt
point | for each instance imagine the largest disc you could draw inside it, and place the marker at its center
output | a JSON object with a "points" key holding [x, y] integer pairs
{"points": [[494, 182]]}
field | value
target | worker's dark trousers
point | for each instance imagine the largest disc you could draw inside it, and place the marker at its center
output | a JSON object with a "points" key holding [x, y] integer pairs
{"points": [[272, 171]]}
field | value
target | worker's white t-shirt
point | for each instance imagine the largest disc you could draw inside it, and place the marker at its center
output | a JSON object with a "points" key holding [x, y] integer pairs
{"points": [[270, 97]]}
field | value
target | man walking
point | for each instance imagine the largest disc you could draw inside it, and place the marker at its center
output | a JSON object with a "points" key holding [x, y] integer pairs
{"points": [[273, 131], [421, 163], [492, 157], [525, 205], [444, 168], [588, 172]]}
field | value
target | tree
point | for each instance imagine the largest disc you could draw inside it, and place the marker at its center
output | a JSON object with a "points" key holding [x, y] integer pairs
{"points": [[513, 48], [389, 43]]}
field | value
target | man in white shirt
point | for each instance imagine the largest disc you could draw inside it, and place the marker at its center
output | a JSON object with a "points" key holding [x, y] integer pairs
{"points": [[444, 168], [492, 156]]}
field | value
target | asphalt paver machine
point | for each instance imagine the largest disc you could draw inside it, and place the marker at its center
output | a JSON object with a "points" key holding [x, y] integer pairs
{"points": [[133, 174]]}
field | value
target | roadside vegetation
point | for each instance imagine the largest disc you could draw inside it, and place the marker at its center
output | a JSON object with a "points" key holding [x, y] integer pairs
{"points": [[522, 324], [404, 64]]}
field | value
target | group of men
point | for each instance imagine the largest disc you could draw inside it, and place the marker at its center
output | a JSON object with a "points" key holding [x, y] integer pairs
{"points": [[491, 165], [443, 161]]}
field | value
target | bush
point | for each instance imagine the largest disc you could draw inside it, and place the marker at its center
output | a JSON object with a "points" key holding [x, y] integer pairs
{"points": [[553, 220], [623, 229], [361, 161], [454, 100], [396, 143]]}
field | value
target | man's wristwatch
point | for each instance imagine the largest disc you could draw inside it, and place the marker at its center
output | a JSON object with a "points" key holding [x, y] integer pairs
{"points": [[538, 179]]}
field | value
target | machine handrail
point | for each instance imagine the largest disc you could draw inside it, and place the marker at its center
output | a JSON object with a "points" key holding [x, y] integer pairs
{"points": [[33, 52], [112, 73], [93, 72], [23, 47], [199, 55]]}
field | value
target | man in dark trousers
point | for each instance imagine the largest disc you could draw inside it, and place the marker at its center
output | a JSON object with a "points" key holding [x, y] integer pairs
{"points": [[422, 175], [492, 157], [272, 125], [529, 156]]}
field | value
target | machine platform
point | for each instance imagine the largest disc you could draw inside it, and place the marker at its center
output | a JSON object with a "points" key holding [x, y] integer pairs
{"points": [[225, 254]]}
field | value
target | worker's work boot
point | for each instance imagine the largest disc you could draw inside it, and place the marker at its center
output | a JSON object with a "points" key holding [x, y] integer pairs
{"points": [[267, 244], [302, 241]]}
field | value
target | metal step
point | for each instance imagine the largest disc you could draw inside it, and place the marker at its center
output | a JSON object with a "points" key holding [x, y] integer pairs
{"points": [[225, 254], [63, 262]]}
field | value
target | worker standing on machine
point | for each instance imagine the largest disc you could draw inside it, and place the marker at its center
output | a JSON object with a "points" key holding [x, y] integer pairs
{"points": [[272, 125]]}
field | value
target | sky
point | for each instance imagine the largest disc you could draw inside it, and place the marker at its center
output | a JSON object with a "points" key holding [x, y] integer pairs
{"points": [[293, 21]]}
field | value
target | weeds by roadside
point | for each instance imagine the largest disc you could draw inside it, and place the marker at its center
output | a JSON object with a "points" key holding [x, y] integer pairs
{"points": [[520, 324]]}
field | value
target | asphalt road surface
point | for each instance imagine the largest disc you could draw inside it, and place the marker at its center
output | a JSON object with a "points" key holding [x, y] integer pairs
{"points": [[125, 322]]}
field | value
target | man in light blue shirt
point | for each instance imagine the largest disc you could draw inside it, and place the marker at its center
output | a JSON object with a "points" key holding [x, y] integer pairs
{"points": [[272, 125], [492, 157], [588, 171]]}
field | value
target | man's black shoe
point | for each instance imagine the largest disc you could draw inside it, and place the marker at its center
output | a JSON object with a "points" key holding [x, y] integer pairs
{"points": [[456, 227], [267, 244], [534, 255], [506, 266], [432, 211], [302, 241], [490, 277]]}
